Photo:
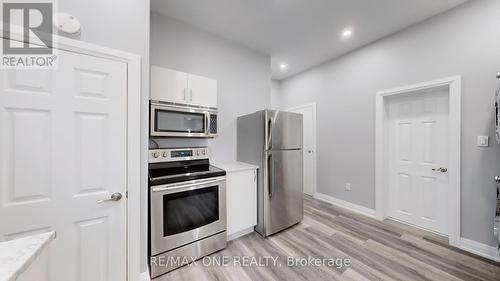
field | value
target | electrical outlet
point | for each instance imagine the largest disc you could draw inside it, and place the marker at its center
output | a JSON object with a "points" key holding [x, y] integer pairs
{"points": [[348, 186], [483, 141]]}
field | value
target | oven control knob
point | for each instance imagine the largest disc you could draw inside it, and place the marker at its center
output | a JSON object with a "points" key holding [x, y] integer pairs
{"points": [[204, 152], [164, 154], [197, 152], [156, 154]]}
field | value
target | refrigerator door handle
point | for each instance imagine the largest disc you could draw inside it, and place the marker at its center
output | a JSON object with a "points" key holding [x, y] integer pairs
{"points": [[269, 177], [269, 133]]}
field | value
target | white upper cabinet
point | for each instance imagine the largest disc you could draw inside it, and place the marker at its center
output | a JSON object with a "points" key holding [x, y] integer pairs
{"points": [[168, 85], [180, 87], [202, 90]]}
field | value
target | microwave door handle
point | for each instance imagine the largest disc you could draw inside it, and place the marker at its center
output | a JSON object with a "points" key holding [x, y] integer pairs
{"points": [[207, 130]]}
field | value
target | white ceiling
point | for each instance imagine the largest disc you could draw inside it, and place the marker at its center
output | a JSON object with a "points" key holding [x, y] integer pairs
{"points": [[302, 33]]}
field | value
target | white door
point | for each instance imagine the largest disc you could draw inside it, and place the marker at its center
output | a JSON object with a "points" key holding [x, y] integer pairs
{"points": [[63, 139], [309, 146], [168, 85], [202, 90], [417, 139]]}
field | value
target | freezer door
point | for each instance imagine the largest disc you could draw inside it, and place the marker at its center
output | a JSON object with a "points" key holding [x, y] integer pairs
{"points": [[284, 190], [283, 130]]}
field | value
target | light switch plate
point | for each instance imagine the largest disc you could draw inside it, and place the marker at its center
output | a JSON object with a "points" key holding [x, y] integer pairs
{"points": [[483, 141]]}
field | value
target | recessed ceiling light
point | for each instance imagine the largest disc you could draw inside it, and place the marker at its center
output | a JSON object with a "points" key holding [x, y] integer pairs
{"points": [[283, 66], [347, 33]]}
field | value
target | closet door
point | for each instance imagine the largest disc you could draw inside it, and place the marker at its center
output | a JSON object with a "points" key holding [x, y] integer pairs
{"points": [[418, 167], [63, 141]]}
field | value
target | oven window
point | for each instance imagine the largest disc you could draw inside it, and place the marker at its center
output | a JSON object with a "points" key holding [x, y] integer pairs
{"points": [[179, 122], [188, 210]]}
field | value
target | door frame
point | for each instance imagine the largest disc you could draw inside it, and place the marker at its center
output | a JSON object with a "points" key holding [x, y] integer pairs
{"points": [[136, 145], [313, 106], [454, 145]]}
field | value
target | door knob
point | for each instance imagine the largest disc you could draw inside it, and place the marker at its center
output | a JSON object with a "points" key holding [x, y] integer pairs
{"points": [[117, 196], [497, 179], [442, 170]]}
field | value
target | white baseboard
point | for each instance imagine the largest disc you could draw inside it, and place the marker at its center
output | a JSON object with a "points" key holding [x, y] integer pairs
{"points": [[346, 205], [240, 233], [480, 249], [145, 276]]}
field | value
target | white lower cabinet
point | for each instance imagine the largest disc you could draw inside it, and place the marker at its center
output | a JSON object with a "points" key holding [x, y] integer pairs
{"points": [[241, 198]]}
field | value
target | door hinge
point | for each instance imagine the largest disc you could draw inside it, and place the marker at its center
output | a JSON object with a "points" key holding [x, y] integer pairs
{"points": [[126, 194]]}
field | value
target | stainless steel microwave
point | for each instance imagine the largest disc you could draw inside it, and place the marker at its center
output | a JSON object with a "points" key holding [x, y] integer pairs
{"points": [[172, 120]]}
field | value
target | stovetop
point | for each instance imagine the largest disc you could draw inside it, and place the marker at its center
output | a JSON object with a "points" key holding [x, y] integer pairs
{"points": [[172, 172]]}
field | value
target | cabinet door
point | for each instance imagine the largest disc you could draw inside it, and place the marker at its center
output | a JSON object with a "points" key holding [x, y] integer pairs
{"points": [[202, 91], [241, 192], [168, 85]]}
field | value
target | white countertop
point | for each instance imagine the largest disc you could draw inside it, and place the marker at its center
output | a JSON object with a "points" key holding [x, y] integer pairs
{"points": [[235, 166], [17, 255]]}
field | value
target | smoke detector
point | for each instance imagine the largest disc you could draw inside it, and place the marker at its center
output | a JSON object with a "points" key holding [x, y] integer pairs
{"points": [[67, 23]]}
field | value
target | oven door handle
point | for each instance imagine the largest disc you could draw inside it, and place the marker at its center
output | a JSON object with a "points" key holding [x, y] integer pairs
{"points": [[173, 176], [188, 184]]}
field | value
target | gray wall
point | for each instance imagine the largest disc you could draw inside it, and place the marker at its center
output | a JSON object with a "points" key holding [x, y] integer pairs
{"points": [[464, 41], [119, 24], [243, 76], [275, 91], [122, 25]]}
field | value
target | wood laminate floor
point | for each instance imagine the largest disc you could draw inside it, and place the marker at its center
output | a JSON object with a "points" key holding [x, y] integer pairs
{"points": [[376, 250]]}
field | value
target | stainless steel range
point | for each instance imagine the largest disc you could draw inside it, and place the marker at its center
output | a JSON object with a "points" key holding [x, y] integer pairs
{"points": [[187, 207]]}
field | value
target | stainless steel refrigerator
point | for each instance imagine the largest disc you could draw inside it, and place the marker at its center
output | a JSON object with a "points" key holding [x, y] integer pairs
{"points": [[272, 140]]}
